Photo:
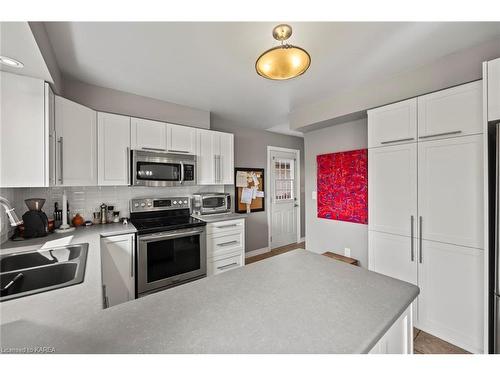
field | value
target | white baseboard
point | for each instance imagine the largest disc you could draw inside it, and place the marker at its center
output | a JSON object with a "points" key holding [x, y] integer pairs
{"points": [[257, 252]]}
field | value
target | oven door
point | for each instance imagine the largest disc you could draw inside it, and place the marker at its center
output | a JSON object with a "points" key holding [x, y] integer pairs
{"points": [[168, 258]]}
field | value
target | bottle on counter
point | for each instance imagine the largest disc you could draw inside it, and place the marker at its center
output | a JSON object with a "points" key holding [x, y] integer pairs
{"points": [[104, 213], [57, 215]]}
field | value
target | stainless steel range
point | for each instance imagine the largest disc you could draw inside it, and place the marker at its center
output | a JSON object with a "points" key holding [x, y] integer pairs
{"points": [[171, 245]]}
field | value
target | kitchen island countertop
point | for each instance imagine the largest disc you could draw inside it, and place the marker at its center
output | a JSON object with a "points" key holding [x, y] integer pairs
{"points": [[297, 302]]}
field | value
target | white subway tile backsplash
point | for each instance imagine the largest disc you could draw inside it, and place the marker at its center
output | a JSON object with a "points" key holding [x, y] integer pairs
{"points": [[87, 199]]}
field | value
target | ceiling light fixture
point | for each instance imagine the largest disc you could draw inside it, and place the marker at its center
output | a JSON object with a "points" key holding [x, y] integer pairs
{"points": [[10, 62], [285, 61]]}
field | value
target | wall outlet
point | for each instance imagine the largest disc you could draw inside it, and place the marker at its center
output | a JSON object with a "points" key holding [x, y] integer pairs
{"points": [[347, 252], [314, 195]]}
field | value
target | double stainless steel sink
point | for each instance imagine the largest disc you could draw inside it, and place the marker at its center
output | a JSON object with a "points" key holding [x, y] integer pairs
{"points": [[31, 272]]}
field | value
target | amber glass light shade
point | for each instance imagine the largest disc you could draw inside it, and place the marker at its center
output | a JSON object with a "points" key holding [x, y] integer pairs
{"points": [[283, 62]]}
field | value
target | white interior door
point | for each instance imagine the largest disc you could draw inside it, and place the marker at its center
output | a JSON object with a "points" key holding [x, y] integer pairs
{"points": [[284, 207]]}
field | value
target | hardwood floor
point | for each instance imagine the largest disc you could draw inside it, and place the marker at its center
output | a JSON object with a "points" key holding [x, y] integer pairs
{"points": [[277, 251], [423, 342]]}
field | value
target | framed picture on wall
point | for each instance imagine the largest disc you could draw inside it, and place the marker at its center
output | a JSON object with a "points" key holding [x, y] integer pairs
{"points": [[249, 190]]}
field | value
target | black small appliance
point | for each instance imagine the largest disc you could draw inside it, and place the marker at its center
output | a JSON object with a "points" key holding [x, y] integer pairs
{"points": [[36, 223]]}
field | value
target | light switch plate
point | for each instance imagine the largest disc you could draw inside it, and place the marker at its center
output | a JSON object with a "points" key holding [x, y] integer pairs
{"points": [[347, 252], [314, 195]]}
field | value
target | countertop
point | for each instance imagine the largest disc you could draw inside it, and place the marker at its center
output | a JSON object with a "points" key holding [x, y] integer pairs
{"points": [[297, 302], [60, 308], [220, 217]]}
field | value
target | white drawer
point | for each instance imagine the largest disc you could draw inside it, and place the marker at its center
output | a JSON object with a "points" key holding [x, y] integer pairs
{"points": [[226, 226], [215, 267], [225, 244]]}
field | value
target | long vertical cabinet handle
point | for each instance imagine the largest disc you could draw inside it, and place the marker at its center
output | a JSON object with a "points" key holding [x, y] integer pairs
{"points": [[221, 176], [420, 240], [412, 245], [61, 170], [132, 243], [215, 168]]}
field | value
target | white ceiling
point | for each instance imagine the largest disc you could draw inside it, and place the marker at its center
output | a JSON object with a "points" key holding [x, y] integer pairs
{"points": [[211, 65], [17, 42]]}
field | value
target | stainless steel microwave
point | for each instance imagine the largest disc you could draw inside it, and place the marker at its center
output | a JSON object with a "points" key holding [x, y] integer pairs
{"points": [[211, 203], [150, 168]]}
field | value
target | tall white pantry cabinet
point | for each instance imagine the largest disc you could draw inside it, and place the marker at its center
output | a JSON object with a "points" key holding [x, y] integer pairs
{"points": [[425, 222]]}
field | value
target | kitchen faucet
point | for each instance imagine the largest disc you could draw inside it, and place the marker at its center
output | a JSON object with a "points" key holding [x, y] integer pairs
{"points": [[14, 220]]}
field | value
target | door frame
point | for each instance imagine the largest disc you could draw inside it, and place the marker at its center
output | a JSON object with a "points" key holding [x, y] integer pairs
{"points": [[268, 190]]}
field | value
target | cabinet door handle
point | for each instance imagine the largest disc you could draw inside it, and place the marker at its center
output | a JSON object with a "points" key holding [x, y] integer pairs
{"points": [[438, 134], [105, 300], [132, 266], [227, 266], [227, 243], [420, 240], [412, 254], [397, 140], [220, 169], [61, 169]]}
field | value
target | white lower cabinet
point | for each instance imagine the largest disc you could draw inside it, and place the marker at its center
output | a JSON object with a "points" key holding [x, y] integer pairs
{"points": [[393, 255], [399, 337], [225, 246], [451, 302], [117, 267]]}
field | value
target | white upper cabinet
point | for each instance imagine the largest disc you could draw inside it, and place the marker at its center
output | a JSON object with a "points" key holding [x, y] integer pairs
{"points": [[226, 158], [181, 139], [113, 149], [450, 303], [393, 123], [206, 154], [494, 90], [148, 135], [24, 133], [451, 112], [76, 132], [215, 157], [392, 189], [450, 190]]}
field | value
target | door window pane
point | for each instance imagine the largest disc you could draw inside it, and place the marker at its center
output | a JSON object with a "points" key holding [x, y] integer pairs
{"points": [[284, 179]]}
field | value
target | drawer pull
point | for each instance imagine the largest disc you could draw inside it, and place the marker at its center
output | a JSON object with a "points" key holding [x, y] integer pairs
{"points": [[231, 265], [227, 226], [228, 243]]}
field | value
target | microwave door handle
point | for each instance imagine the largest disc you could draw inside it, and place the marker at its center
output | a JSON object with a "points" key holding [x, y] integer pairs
{"points": [[182, 172]]}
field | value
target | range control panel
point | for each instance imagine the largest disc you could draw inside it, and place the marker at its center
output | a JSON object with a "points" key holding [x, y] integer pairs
{"points": [[159, 204]]}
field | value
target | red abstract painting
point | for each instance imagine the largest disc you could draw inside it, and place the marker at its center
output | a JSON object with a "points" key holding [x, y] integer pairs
{"points": [[343, 186]]}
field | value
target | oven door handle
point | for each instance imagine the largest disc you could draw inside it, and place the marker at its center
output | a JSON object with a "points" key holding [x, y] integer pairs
{"points": [[164, 235]]}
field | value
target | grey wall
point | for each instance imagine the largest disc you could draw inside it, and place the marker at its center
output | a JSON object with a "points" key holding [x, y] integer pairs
{"points": [[114, 101], [250, 149], [463, 66], [332, 235]]}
